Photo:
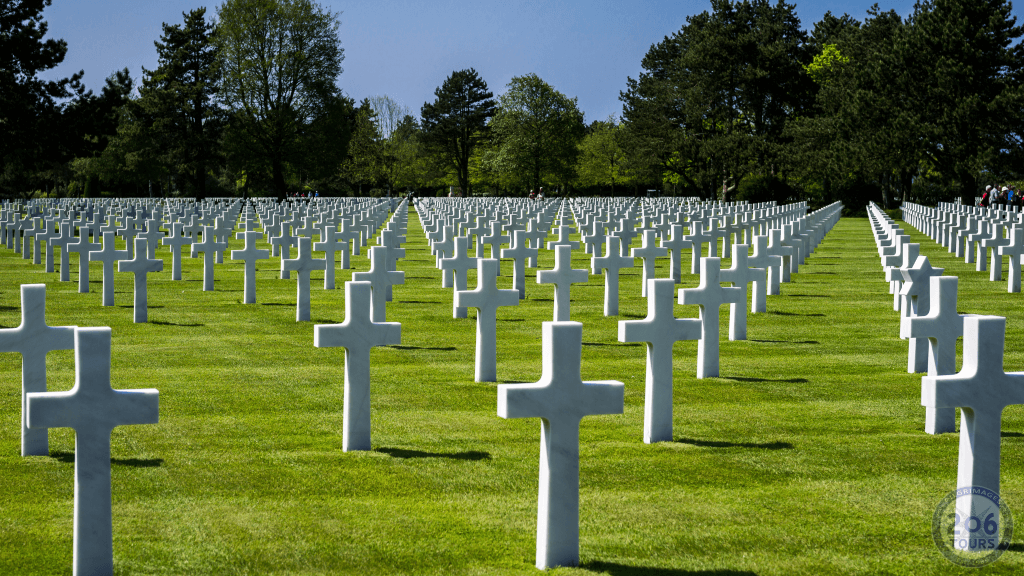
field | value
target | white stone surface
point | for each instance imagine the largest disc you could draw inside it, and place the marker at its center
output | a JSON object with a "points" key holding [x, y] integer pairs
{"points": [[916, 295], [521, 254], [942, 325], [649, 251], [174, 242], [460, 264], [303, 265], [710, 296], [83, 247], [611, 263], [108, 255], [357, 334], [487, 298], [560, 399], [34, 339], [209, 247], [563, 276], [141, 265], [981, 390], [660, 330], [92, 408], [331, 242], [1014, 252], [250, 254], [379, 278], [741, 274]]}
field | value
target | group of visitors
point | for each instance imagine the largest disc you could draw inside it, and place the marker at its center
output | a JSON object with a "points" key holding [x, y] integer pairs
{"points": [[1005, 196]]}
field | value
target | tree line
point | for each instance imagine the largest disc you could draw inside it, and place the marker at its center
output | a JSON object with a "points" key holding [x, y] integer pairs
{"points": [[740, 103]]}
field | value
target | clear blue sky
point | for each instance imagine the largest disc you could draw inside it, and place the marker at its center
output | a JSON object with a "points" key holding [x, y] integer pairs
{"points": [[405, 48]]}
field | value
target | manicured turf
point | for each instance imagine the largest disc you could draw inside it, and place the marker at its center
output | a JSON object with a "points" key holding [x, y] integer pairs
{"points": [[807, 456]]}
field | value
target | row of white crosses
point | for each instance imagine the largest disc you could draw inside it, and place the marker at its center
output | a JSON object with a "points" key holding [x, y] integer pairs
{"points": [[141, 243], [92, 408], [982, 389], [973, 233]]}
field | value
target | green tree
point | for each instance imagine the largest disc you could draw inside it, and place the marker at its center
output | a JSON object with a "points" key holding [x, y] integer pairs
{"points": [[601, 160], [31, 126], [456, 122], [537, 131], [714, 99], [280, 61], [364, 164], [960, 66]]}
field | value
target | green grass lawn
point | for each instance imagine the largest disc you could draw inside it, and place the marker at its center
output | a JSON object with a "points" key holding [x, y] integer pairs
{"points": [[807, 456]]}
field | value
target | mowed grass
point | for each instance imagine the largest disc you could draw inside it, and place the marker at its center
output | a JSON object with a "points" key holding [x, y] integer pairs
{"points": [[807, 455]]}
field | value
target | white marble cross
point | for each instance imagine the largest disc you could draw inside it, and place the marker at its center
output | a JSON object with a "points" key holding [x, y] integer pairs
{"points": [[915, 293], [942, 325], [563, 276], [648, 251], [379, 278], [83, 247], [487, 298], [92, 408], [303, 265], [250, 254], [773, 268], [209, 247], [520, 253], [357, 334], [108, 255], [283, 243], [66, 237], [981, 390], [611, 263], [697, 238], [495, 239], [331, 242], [175, 241], [1015, 252], [560, 399], [993, 244], [536, 235], [660, 330], [460, 264], [740, 274], [710, 296], [776, 247], [675, 246], [141, 265], [563, 239], [34, 339], [153, 236]]}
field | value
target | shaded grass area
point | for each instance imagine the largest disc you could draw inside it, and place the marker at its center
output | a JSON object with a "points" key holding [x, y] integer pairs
{"points": [[806, 457]]}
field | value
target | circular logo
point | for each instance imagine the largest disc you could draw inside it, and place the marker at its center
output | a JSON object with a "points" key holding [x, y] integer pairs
{"points": [[972, 527]]}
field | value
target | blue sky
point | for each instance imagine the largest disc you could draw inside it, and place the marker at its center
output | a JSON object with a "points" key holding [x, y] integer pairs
{"points": [[405, 49]]}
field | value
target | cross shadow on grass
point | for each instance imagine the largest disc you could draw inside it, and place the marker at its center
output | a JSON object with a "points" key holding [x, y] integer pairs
{"points": [[786, 380], [9, 308], [624, 570], [777, 313], [69, 458], [811, 295], [165, 323], [1005, 434], [777, 445], [441, 348], [403, 453], [1015, 547], [418, 302], [784, 341], [607, 344], [277, 304], [148, 307]]}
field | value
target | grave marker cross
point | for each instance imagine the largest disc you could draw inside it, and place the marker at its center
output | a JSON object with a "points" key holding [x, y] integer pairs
{"points": [[174, 242], [710, 296], [611, 263], [660, 330], [140, 265], [379, 278], [93, 409], [563, 276], [209, 247], [981, 390], [459, 264], [520, 253], [250, 254], [648, 251], [487, 298], [740, 274], [357, 334], [108, 255], [560, 399], [34, 339]]}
